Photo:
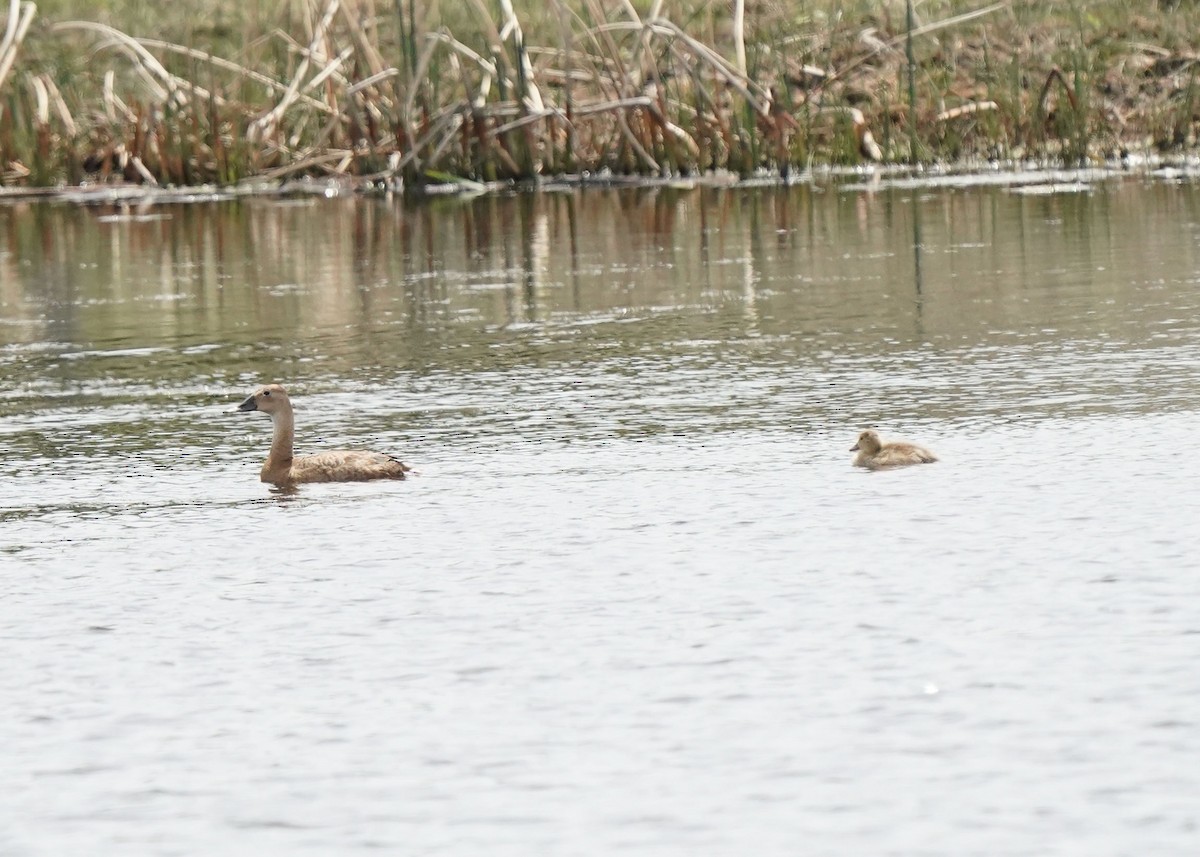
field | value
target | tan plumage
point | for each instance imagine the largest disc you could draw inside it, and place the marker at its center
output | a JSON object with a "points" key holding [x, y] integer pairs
{"points": [[343, 465], [874, 453]]}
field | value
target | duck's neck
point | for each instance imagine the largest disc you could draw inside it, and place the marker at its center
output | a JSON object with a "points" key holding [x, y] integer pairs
{"points": [[281, 440]]}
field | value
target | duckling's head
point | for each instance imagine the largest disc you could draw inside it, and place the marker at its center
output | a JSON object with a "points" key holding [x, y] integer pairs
{"points": [[269, 399], [868, 442]]}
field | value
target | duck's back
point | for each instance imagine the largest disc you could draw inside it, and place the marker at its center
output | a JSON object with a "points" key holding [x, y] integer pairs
{"points": [[346, 466], [900, 454]]}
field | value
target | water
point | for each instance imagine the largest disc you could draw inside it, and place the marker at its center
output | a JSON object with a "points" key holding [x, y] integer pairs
{"points": [[637, 600]]}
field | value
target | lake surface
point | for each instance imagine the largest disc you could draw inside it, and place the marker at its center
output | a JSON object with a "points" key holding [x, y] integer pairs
{"points": [[636, 600]]}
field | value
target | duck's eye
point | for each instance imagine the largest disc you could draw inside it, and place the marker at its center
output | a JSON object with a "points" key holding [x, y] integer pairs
{"points": [[266, 392]]}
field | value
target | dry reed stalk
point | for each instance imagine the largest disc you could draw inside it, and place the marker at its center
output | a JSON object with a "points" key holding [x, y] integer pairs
{"points": [[644, 36], [635, 144], [377, 77], [565, 46], [489, 69], [20, 16], [527, 119], [739, 36], [525, 86], [570, 63], [366, 48], [474, 129], [144, 62], [612, 106], [301, 49], [682, 46], [445, 125], [147, 176], [301, 166], [675, 134], [602, 69], [408, 125], [319, 140], [415, 62], [604, 41], [55, 100], [954, 21], [113, 102], [172, 89], [227, 65], [331, 68], [530, 94], [647, 105], [922, 30], [379, 96], [491, 33], [1056, 74], [966, 110], [41, 100], [265, 125], [15, 171], [754, 94], [449, 135]]}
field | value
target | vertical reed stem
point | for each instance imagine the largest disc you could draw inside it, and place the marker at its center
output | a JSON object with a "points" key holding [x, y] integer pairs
{"points": [[739, 35], [912, 82]]}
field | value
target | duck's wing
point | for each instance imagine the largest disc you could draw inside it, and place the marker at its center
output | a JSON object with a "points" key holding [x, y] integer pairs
{"points": [[898, 454], [347, 465]]}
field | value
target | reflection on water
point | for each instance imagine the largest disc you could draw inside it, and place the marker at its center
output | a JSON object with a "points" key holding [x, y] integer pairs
{"points": [[637, 599], [851, 291]]}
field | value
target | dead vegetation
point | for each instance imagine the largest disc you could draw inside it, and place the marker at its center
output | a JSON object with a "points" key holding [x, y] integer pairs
{"points": [[408, 93]]}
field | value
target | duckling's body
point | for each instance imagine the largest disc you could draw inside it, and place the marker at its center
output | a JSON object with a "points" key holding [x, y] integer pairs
{"points": [[874, 454], [283, 469]]}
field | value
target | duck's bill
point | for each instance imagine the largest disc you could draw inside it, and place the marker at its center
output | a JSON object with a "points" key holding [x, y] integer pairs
{"points": [[852, 449], [248, 405]]}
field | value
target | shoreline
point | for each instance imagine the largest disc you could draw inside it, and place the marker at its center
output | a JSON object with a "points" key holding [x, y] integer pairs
{"points": [[873, 177]]}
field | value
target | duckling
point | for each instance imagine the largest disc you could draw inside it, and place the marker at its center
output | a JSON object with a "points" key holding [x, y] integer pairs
{"points": [[874, 453], [283, 470]]}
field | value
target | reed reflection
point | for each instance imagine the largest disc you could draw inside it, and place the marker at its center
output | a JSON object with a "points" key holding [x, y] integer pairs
{"points": [[343, 282]]}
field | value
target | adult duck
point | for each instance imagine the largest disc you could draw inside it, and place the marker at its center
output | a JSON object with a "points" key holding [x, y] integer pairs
{"points": [[283, 469]]}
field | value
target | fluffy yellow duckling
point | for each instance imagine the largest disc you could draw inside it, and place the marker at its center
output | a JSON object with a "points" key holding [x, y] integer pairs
{"points": [[874, 453], [282, 469]]}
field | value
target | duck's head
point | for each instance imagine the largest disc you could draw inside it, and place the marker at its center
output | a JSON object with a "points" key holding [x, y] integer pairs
{"points": [[269, 399], [868, 442]]}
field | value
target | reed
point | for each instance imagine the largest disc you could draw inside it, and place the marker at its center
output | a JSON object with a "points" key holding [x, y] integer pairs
{"points": [[408, 93]]}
